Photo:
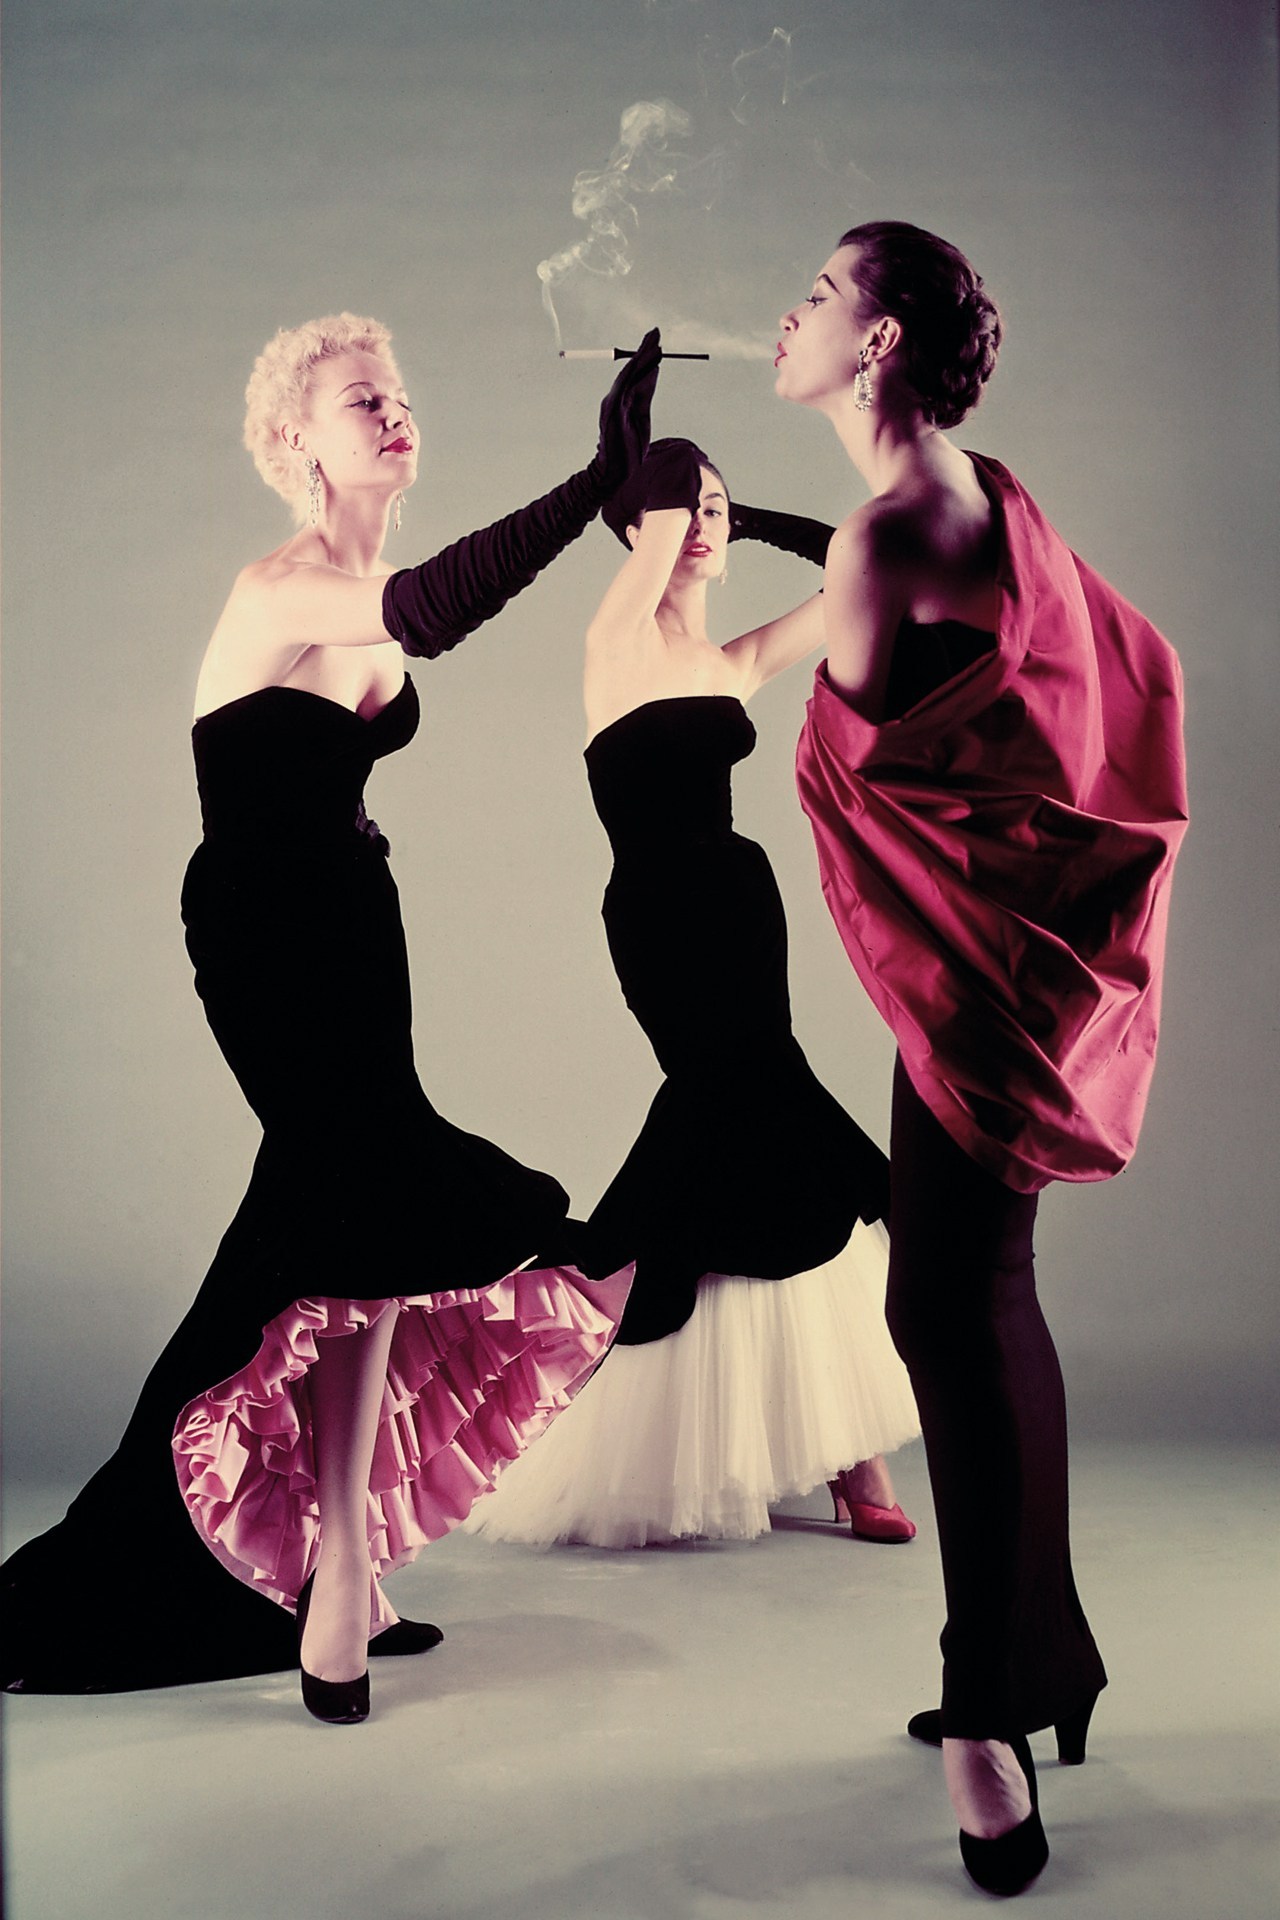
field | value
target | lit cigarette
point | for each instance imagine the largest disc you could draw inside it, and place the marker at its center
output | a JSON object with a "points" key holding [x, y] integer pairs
{"points": [[621, 353]]}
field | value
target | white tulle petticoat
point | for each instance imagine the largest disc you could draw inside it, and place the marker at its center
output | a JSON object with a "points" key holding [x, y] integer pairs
{"points": [[473, 1376], [769, 1389]]}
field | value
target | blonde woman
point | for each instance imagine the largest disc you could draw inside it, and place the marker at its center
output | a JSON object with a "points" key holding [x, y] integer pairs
{"points": [[393, 1308]]}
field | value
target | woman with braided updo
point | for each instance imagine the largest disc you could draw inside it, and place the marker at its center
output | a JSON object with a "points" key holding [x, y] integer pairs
{"points": [[992, 765]]}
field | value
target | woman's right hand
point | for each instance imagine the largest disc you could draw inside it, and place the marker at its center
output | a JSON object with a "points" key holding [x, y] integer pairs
{"points": [[624, 416], [670, 475]]}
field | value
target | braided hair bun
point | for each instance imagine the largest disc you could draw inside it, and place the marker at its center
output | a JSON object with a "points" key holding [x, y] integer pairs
{"points": [[951, 328]]}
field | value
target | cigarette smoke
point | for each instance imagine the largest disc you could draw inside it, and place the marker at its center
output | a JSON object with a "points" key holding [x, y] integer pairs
{"points": [[695, 336], [758, 71], [641, 163], [654, 155]]}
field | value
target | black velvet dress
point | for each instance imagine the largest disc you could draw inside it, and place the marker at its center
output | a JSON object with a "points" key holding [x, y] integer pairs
{"points": [[745, 1164], [191, 1543]]}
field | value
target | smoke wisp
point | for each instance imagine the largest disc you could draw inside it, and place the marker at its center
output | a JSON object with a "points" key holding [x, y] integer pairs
{"points": [[641, 163]]}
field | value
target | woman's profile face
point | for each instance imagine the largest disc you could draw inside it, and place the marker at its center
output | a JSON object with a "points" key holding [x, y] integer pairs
{"points": [[357, 423], [817, 355]]}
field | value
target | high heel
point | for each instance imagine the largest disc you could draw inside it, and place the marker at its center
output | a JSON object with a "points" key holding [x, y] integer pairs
{"points": [[888, 1525], [926, 1727], [1071, 1733], [1012, 1860], [406, 1636], [342, 1703]]}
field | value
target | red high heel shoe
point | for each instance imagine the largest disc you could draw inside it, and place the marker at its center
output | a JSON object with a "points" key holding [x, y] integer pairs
{"points": [[889, 1525]]}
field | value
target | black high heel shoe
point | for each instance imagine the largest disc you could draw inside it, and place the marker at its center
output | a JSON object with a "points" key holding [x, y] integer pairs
{"points": [[406, 1636], [1012, 1860], [342, 1703], [1071, 1733]]}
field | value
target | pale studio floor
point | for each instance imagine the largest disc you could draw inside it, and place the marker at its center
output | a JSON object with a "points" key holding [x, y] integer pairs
{"points": [[700, 1733]]}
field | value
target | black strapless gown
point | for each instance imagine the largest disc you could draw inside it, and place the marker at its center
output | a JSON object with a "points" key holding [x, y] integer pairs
{"points": [[745, 1164], [361, 1194]]}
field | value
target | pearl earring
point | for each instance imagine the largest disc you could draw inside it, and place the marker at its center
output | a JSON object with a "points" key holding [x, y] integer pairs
{"points": [[315, 492], [862, 395]]}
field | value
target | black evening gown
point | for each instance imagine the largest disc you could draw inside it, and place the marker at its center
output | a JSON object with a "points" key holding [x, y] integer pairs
{"points": [[745, 1163], [181, 1557], [753, 1359]]}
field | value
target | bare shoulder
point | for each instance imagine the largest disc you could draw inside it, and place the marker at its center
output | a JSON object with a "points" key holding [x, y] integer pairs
{"points": [[886, 536]]}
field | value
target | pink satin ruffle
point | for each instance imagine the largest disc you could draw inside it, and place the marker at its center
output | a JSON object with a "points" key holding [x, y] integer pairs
{"points": [[473, 1377]]}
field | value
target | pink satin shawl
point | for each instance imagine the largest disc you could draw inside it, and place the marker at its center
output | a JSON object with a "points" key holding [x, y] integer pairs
{"points": [[998, 862]]}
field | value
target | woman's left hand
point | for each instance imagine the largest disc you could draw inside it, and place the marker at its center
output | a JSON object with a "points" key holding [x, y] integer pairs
{"points": [[790, 532]]}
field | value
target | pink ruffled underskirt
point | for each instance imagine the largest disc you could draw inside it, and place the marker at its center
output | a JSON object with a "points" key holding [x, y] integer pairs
{"points": [[473, 1377]]}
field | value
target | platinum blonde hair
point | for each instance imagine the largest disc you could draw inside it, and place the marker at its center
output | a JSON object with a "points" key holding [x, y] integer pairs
{"points": [[277, 391]]}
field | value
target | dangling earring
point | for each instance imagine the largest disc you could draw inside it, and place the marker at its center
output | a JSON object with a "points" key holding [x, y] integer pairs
{"points": [[315, 492], [399, 504], [862, 395], [724, 573]]}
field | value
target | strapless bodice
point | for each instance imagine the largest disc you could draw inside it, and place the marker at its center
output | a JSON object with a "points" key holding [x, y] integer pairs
{"points": [[287, 766], [660, 775]]}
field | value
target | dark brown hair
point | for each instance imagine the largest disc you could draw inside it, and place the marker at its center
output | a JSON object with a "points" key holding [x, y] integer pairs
{"points": [[950, 328]]}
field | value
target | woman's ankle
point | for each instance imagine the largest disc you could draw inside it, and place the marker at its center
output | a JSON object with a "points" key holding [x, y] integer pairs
{"points": [[868, 1482], [987, 1786]]}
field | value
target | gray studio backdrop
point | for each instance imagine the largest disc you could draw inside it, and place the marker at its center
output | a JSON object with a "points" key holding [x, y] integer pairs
{"points": [[183, 176]]}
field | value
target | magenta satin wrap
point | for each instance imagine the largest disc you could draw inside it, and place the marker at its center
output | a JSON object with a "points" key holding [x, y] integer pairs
{"points": [[998, 859]]}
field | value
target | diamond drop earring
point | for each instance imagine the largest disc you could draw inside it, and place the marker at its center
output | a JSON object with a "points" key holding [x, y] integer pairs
{"points": [[399, 504], [862, 395], [723, 574], [315, 492]]}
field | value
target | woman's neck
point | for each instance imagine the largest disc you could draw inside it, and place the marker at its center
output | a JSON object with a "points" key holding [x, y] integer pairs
{"points": [[353, 532], [682, 611], [890, 449]]}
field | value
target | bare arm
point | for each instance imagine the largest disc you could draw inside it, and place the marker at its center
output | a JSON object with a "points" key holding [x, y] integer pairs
{"points": [[301, 604], [631, 599], [865, 599], [777, 645]]}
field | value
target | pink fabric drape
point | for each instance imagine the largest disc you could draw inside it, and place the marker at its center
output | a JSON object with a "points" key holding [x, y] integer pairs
{"points": [[998, 859]]}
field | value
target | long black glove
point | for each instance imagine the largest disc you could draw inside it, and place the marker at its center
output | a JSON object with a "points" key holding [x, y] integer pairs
{"points": [[670, 475], [791, 532], [429, 608]]}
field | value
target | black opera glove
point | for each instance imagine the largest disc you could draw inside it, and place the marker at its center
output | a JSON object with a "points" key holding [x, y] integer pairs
{"points": [[624, 416], [670, 475], [430, 607], [790, 532]]}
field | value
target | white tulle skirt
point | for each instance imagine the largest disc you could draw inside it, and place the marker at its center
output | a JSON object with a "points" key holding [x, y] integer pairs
{"points": [[770, 1388]]}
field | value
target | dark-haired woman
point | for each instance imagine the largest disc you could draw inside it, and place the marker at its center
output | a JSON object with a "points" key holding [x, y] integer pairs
{"points": [[395, 1308], [992, 765], [753, 1359]]}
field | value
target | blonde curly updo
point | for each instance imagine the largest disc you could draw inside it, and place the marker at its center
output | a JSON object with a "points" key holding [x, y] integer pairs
{"points": [[277, 391]]}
